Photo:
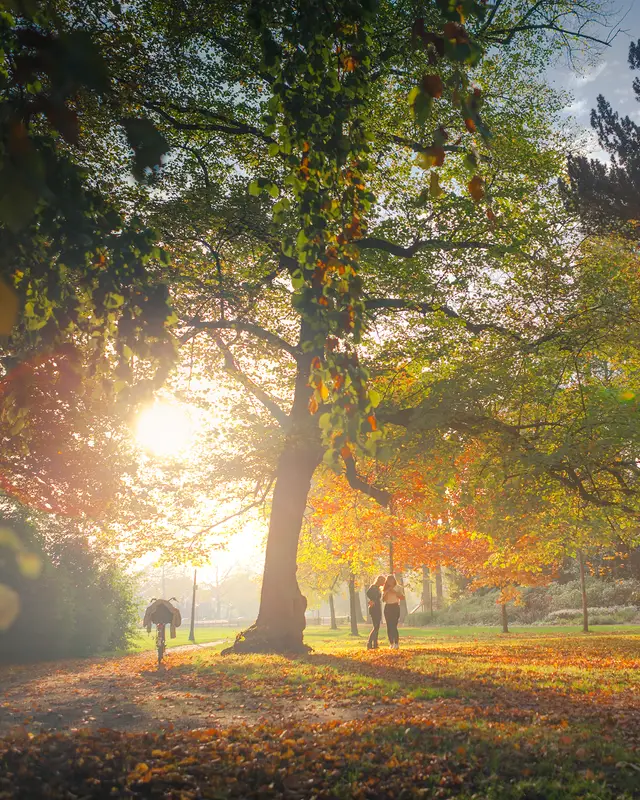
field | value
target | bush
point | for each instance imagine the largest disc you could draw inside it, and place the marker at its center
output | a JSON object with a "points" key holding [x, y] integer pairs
{"points": [[610, 602], [80, 605], [607, 615]]}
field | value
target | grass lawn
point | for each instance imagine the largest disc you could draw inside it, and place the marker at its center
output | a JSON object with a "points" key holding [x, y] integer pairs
{"points": [[147, 641], [456, 713], [314, 635]]}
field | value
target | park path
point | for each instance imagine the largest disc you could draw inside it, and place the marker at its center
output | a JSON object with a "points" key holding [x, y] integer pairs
{"points": [[130, 694]]}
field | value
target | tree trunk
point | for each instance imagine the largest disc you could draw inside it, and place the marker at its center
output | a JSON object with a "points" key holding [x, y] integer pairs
{"points": [[218, 598], [192, 627], [365, 586], [361, 617], [439, 591], [583, 592], [353, 604], [390, 556], [281, 621], [403, 603], [505, 619], [332, 612], [426, 590]]}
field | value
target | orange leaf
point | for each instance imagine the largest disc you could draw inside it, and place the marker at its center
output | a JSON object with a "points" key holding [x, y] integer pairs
{"points": [[476, 188], [432, 84]]}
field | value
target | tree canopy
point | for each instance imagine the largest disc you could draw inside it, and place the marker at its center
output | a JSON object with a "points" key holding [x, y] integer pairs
{"points": [[368, 258]]}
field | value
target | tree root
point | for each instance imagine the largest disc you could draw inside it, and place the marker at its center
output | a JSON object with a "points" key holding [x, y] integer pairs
{"points": [[259, 639]]}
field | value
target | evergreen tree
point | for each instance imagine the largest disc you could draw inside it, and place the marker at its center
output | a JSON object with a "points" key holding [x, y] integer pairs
{"points": [[607, 196]]}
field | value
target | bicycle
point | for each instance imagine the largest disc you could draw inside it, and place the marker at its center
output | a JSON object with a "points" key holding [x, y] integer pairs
{"points": [[161, 618]]}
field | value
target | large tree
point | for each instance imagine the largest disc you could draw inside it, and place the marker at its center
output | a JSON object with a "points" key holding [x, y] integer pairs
{"points": [[355, 194]]}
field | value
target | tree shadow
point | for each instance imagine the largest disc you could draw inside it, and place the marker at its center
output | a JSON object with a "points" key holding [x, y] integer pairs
{"points": [[489, 693]]}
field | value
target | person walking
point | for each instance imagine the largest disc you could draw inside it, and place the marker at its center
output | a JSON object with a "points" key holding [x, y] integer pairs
{"points": [[375, 609], [392, 594]]}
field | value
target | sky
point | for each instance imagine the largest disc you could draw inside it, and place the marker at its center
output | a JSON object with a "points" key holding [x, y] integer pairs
{"points": [[609, 76]]}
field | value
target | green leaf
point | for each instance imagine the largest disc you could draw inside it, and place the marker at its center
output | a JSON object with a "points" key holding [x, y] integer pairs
{"points": [[147, 143], [297, 279], [301, 240], [113, 300], [324, 421]]}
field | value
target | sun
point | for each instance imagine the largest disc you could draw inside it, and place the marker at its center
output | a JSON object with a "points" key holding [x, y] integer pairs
{"points": [[165, 429]]}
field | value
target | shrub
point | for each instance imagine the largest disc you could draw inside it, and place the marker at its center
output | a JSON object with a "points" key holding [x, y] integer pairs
{"points": [[610, 602], [607, 615], [81, 604]]}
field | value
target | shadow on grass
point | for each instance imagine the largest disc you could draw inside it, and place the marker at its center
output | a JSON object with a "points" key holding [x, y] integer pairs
{"points": [[401, 758], [490, 692], [341, 679]]}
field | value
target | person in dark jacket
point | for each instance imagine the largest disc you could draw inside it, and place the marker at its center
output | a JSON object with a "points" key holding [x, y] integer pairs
{"points": [[392, 594], [375, 609]]}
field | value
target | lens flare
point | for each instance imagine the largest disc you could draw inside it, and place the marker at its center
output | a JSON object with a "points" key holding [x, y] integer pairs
{"points": [[165, 429]]}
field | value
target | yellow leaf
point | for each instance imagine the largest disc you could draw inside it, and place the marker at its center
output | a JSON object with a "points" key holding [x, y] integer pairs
{"points": [[9, 606], [30, 564], [9, 538], [8, 308], [425, 160], [435, 190]]}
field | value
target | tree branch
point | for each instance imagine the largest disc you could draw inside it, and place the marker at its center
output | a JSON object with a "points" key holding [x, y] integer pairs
{"points": [[254, 504], [356, 482], [421, 148], [375, 243], [397, 304], [240, 325], [232, 126], [230, 365], [473, 424]]}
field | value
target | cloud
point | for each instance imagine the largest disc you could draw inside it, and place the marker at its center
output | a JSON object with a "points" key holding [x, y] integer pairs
{"points": [[590, 77], [577, 107]]}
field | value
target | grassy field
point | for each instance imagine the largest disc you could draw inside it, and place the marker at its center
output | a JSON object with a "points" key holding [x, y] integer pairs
{"points": [[456, 713], [146, 641], [320, 635]]}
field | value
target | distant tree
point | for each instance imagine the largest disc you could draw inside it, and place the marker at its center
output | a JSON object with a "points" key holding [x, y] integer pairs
{"points": [[607, 196]]}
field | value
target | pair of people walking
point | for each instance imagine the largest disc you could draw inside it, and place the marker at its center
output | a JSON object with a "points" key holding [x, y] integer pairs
{"points": [[388, 591]]}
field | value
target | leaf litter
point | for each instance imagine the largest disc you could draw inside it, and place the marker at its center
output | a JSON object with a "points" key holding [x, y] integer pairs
{"points": [[528, 717]]}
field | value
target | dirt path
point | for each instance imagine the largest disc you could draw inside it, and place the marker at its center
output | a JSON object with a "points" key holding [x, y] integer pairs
{"points": [[130, 694]]}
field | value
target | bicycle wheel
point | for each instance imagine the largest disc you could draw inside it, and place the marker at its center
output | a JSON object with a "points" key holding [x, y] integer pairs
{"points": [[160, 642]]}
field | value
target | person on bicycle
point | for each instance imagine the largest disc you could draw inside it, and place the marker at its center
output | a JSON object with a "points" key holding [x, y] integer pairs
{"points": [[162, 612]]}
